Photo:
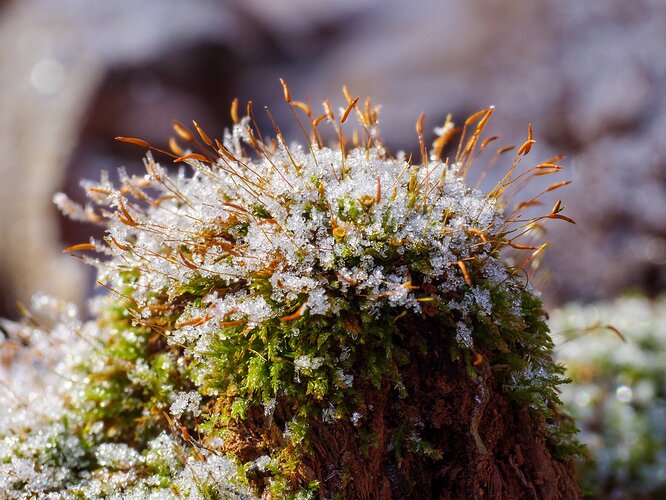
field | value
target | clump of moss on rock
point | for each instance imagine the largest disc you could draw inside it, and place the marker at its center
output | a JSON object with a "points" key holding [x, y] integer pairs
{"points": [[306, 321]]}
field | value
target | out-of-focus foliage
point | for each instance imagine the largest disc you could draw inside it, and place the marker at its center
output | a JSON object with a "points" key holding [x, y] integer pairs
{"points": [[618, 394]]}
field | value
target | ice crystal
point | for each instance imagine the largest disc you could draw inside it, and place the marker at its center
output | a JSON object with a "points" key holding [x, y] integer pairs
{"points": [[308, 363], [464, 335], [186, 402], [117, 456]]}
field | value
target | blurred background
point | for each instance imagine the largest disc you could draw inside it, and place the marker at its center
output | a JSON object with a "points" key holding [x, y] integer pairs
{"points": [[589, 75]]}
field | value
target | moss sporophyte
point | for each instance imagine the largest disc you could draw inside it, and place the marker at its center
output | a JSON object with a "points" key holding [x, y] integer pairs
{"points": [[304, 320]]}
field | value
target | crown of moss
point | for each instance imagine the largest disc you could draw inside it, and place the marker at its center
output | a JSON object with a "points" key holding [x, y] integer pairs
{"points": [[263, 273]]}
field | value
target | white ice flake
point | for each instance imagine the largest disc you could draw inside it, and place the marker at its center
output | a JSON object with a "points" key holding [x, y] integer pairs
{"points": [[318, 302], [464, 335], [186, 402], [117, 456], [256, 309], [217, 473], [347, 379], [308, 362]]}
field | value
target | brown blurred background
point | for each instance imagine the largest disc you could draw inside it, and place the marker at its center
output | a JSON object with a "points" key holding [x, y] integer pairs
{"points": [[590, 76]]}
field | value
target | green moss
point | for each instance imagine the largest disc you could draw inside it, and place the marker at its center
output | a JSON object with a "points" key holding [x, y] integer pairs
{"points": [[289, 310]]}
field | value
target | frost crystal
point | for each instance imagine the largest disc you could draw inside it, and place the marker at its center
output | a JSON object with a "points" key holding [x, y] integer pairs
{"points": [[117, 456], [308, 363], [186, 402], [464, 335]]}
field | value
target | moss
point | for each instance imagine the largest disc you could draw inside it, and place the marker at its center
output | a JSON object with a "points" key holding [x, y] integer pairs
{"points": [[297, 305]]}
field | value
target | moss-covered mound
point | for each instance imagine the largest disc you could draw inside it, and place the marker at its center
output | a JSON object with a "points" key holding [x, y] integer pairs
{"points": [[300, 320]]}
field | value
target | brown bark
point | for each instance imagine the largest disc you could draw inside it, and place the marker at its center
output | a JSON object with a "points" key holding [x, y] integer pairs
{"points": [[491, 447], [508, 459]]}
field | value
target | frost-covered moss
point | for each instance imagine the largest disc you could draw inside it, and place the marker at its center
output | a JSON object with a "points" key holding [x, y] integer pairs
{"points": [[274, 283]]}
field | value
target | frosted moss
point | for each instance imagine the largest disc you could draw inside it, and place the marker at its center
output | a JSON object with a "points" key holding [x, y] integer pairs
{"points": [[271, 278]]}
